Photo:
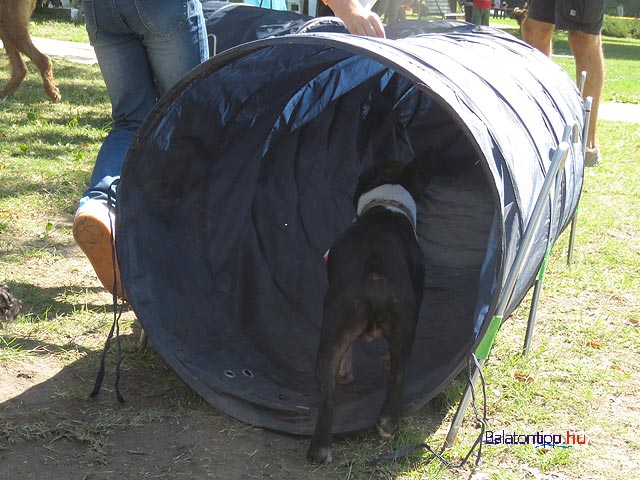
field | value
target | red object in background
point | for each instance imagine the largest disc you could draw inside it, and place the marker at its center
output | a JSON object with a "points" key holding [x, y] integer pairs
{"points": [[482, 3]]}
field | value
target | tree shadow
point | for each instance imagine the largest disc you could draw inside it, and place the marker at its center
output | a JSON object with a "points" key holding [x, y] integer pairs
{"points": [[162, 427], [162, 418], [51, 303]]}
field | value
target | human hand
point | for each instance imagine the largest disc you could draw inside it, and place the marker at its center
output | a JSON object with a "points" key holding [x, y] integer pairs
{"points": [[358, 19]]}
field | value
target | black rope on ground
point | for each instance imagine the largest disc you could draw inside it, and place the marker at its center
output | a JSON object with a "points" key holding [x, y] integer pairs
{"points": [[476, 444], [117, 312]]}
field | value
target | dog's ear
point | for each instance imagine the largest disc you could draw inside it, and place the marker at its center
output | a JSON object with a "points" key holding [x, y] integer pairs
{"points": [[417, 174]]}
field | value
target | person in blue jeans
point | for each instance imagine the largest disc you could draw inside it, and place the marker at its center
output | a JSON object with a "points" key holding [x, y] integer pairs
{"points": [[143, 48]]}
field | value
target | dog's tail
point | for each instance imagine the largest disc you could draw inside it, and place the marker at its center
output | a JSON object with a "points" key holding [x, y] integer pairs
{"points": [[377, 299], [377, 291]]}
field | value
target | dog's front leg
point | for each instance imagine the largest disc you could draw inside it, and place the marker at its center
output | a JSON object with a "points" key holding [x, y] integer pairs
{"points": [[400, 342]]}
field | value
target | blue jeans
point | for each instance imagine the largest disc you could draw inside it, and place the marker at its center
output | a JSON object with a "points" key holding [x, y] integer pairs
{"points": [[271, 4], [143, 48]]}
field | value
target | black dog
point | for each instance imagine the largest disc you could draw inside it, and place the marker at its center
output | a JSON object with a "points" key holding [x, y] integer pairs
{"points": [[10, 306], [376, 281]]}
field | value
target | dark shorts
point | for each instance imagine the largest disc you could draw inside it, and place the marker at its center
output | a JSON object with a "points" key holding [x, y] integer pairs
{"points": [[582, 15]]}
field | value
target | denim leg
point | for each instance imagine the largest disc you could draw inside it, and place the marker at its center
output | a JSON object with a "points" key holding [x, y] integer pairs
{"points": [[142, 49], [132, 92], [186, 48]]}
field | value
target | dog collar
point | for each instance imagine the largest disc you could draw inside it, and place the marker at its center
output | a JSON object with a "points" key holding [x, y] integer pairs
{"points": [[393, 197]]}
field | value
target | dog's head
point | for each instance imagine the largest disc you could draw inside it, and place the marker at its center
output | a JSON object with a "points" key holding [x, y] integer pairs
{"points": [[520, 14], [413, 176]]}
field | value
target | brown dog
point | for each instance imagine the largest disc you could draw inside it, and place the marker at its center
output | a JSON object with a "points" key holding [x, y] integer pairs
{"points": [[14, 33], [520, 14]]}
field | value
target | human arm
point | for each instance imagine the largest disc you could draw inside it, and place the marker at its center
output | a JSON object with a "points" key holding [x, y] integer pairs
{"points": [[359, 20]]}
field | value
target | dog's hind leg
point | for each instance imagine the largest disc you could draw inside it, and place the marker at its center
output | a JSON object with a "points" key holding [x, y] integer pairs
{"points": [[18, 69], [345, 371], [400, 343], [40, 60], [339, 331]]}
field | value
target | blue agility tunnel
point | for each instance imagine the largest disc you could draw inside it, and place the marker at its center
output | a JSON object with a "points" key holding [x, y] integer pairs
{"points": [[242, 178]]}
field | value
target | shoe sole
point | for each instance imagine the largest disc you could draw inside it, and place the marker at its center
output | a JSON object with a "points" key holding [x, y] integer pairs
{"points": [[94, 239], [592, 163], [592, 158]]}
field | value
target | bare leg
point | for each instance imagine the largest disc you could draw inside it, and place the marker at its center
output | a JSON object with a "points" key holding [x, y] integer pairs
{"points": [[539, 35], [587, 50]]}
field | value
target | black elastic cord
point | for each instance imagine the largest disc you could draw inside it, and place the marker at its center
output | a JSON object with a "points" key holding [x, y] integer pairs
{"points": [[476, 444], [117, 311]]}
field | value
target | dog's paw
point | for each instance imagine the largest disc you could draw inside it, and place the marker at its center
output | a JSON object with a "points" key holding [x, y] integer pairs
{"points": [[386, 427], [319, 454], [54, 95]]}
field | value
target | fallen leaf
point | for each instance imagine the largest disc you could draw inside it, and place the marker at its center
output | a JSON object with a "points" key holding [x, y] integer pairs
{"points": [[523, 377], [619, 369], [594, 344]]}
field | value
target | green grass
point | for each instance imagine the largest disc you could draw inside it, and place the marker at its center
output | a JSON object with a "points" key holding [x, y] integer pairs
{"points": [[621, 67], [622, 79], [622, 75], [581, 374], [10, 348], [58, 30]]}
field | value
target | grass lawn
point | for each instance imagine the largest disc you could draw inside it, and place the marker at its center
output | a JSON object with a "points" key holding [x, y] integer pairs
{"points": [[582, 374], [58, 30], [622, 73]]}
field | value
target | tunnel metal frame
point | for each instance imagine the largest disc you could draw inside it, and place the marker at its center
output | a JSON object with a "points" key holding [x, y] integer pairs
{"points": [[553, 177]]}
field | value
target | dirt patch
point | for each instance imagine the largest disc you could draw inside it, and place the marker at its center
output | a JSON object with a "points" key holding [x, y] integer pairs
{"points": [[51, 429], [18, 377]]}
